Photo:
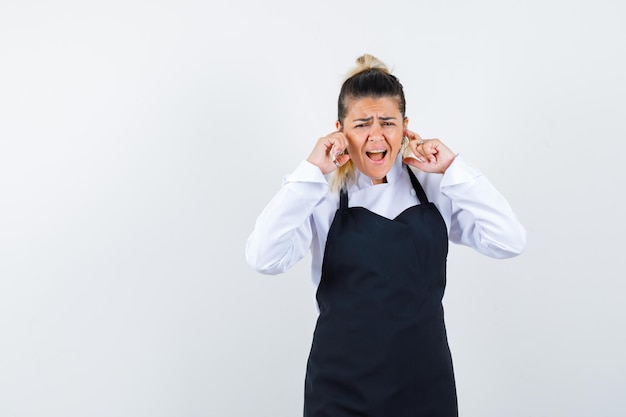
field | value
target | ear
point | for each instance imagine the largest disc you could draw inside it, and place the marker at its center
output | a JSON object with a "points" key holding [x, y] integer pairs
{"points": [[405, 122], [338, 126]]}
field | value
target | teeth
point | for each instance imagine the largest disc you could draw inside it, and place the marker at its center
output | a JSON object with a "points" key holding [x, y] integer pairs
{"points": [[378, 151]]}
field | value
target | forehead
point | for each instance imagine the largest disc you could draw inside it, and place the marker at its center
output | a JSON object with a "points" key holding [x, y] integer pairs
{"points": [[370, 106]]}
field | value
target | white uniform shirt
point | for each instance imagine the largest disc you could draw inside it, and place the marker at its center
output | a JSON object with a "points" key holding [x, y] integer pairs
{"points": [[298, 217]]}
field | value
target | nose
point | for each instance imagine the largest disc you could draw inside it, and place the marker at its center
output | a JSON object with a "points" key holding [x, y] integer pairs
{"points": [[376, 132]]}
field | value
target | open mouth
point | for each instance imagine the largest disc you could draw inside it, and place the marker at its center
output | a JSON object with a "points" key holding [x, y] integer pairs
{"points": [[376, 155]]}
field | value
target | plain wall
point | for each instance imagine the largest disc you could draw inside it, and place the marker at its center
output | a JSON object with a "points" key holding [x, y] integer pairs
{"points": [[140, 139]]}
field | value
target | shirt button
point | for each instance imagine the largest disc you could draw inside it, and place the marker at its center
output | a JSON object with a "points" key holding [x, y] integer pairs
{"points": [[413, 192]]}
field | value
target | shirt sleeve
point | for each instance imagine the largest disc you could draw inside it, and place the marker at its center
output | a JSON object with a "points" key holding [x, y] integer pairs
{"points": [[283, 231], [480, 216]]}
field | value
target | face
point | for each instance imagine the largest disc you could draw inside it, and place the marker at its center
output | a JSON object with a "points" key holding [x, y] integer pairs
{"points": [[374, 128]]}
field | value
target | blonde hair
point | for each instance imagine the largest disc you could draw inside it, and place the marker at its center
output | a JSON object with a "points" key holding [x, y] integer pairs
{"points": [[370, 77], [365, 62]]}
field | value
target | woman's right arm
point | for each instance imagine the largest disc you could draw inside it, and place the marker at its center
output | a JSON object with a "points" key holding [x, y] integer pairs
{"points": [[283, 231]]}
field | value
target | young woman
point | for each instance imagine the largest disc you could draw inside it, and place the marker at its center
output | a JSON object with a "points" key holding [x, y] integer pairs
{"points": [[376, 205]]}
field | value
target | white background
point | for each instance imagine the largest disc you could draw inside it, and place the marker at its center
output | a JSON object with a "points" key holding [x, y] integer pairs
{"points": [[140, 139]]}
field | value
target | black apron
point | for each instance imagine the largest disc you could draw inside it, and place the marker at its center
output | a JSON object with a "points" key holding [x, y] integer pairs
{"points": [[380, 347]]}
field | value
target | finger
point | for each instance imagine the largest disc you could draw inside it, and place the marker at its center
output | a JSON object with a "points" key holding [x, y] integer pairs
{"points": [[417, 162], [412, 135], [420, 150], [333, 155], [341, 159], [341, 145], [335, 139], [431, 150]]}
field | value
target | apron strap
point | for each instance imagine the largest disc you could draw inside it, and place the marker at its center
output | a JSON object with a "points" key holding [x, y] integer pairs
{"points": [[421, 195], [343, 199]]}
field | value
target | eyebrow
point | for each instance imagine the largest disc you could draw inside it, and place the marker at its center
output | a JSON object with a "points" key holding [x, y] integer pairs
{"points": [[369, 119]]}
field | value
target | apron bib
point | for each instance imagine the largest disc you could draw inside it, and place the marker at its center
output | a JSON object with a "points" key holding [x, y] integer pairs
{"points": [[380, 347]]}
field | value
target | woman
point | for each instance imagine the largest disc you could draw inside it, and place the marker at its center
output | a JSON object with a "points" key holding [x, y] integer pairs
{"points": [[376, 205]]}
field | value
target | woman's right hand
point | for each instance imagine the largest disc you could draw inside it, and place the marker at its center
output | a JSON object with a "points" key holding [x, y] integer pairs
{"points": [[330, 152]]}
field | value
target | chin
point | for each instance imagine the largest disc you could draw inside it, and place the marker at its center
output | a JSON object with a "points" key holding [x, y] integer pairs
{"points": [[378, 175]]}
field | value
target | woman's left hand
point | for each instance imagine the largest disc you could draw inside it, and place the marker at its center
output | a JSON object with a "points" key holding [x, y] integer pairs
{"points": [[430, 155]]}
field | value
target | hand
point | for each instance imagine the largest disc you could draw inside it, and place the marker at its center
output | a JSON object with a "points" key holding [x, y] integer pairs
{"points": [[322, 154], [430, 155]]}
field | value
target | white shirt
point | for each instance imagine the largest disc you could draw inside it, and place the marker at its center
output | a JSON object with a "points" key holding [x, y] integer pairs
{"points": [[298, 217]]}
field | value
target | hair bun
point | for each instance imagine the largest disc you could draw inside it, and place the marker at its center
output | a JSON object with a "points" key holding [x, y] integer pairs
{"points": [[366, 62]]}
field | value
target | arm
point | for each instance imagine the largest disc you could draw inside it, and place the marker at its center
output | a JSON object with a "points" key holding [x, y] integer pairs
{"points": [[283, 231], [480, 216]]}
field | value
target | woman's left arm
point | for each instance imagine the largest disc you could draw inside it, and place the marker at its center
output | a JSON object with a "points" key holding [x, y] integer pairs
{"points": [[476, 213], [480, 217]]}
